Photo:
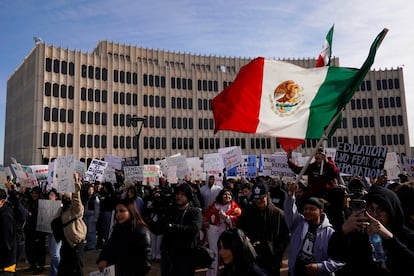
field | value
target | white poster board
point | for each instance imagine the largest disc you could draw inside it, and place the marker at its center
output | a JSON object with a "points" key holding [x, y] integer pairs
{"points": [[96, 171], [63, 173], [48, 210]]}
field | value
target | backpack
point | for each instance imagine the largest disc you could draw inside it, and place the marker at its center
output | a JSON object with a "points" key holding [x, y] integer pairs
{"points": [[57, 227]]}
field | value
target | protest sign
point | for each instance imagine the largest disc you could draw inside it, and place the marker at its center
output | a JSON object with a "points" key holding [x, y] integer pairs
{"points": [[360, 160], [48, 210], [96, 171], [108, 271], [133, 173], [63, 173]]}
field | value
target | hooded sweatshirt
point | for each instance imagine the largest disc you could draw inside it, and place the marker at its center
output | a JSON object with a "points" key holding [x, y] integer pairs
{"points": [[355, 249]]}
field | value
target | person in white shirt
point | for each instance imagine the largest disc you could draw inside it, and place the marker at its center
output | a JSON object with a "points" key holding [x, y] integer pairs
{"points": [[209, 192]]}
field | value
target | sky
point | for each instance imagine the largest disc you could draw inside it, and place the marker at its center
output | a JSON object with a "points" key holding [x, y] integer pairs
{"points": [[228, 28]]}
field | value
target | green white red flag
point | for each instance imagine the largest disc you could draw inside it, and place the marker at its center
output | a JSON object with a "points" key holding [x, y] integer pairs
{"points": [[324, 59], [279, 99]]}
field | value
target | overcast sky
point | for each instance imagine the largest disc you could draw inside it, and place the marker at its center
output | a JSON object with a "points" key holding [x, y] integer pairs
{"points": [[242, 28]]}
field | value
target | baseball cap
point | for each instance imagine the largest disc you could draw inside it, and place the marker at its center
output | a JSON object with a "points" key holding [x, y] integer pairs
{"points": [[259, 191]]}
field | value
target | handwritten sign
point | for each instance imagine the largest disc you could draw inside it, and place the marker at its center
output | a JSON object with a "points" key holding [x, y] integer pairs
{"points": [[48, 210], [63, 173], [232, 156], [133, 173], [359, 160], [276, 165], [213, 162], [96, 171], [151, 175], [180, 162]]}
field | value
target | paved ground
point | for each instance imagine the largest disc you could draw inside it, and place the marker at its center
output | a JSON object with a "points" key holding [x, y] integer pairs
{"points": [[90, 266]]}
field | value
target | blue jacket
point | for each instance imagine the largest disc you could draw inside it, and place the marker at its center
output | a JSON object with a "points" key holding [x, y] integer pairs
{"points": [[299, 227]]}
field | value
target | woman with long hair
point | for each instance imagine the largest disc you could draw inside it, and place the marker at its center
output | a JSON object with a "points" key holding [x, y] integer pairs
{"points": [[129, 246], [238, 255]]}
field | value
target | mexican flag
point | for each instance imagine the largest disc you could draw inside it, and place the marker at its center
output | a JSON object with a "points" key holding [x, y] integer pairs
{"points": [[279, 99], [324, 58]]}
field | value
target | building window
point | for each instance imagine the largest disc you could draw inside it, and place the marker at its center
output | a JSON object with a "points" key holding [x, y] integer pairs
{"points": [[56, 90], [82, 140], [46, 139], [54, 114], [89, 141], [71, 69], [62, 140], [69, 140], [104, 74], [62, 115], [64, 68], [46, 114], [54, 139], [56, 66], [48, 89], [48, 65], [71, 93]]}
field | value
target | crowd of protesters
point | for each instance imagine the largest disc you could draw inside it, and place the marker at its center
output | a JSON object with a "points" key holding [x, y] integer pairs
{"points": [[135, 225]]}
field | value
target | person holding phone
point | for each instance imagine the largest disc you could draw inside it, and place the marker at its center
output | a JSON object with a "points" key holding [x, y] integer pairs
{"points": [[383, 216]]}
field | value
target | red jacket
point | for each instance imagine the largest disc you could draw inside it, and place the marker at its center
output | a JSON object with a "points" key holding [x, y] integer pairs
{"points": [[212, 214]]}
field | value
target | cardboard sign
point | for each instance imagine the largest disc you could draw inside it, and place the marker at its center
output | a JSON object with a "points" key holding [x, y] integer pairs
{"points": [[358, 160], [96, 171]]}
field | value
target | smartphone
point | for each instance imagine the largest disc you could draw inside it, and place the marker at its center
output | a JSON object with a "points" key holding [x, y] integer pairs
{"points": [[358, 205]]}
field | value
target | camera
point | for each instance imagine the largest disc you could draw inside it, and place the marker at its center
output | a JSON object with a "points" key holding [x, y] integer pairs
{"points": [[358, 205]]}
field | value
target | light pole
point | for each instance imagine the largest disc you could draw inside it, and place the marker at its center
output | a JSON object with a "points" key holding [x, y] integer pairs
{"points": [[41, 152], [137, 123]]}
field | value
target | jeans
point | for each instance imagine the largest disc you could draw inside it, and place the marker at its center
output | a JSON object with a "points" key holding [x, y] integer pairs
{"points": [[54, 249]]}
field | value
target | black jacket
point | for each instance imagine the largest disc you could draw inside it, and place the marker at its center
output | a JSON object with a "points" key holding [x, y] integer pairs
{"points": [[180, 229], [269, 228], [355, 249], [7, 237], [129, 249]]}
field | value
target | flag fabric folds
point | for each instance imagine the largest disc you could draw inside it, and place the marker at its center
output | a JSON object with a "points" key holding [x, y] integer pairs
{"points": [[279, 99], [324, 58]]}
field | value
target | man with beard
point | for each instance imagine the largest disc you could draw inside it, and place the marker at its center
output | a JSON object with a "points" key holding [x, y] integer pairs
{"points": [[74, 229]]}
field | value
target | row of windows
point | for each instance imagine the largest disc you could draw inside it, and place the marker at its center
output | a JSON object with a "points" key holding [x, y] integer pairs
{"points": [[389, 139], [334, 141], [391, 120], [60, 67], [363, 122], [65, 91], [382, 84], [158, 142], [125, 98], [61, 115], [151, 80], [182, 83], [361, 104], [205, 123], [388, 84], [122, 119], [94, 72], [91, 141], [96, 118], [92, 95], [204, 85], [204, 104], [122, 77], [182, 123], [389, 102], [124, 142], [156, 101], [54, 139], [184, 103]]}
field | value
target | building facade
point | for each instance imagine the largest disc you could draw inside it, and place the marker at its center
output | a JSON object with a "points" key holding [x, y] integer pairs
{"points": [[62, 102]]}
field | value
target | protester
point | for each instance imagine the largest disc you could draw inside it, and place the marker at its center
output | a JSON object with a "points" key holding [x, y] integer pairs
{"points": [[90, 216], [265, 226], [133, 193], [277, 191], [107, 201], [406, 195], [129, 246], [245, 199], [238, 255], [310, 234], [322, 174], [383, 216], [209, 191], [180, 226], [35, 245], [337, 208], [71, 212], [53, 245], [222, 214], [8, 242]]}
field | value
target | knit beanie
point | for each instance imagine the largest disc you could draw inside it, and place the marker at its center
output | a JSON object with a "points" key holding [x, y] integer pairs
{"points": [[186, 189]]}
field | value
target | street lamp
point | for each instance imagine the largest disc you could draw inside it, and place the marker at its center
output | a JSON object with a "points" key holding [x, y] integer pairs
{"points": [[137, 123], [41, 152]]}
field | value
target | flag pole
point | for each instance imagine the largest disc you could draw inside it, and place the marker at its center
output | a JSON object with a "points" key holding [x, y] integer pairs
{"points": [[323, 138]]}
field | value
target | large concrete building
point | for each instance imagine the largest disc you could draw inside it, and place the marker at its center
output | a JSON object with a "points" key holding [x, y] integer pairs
{"points": [[62, 101]]}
